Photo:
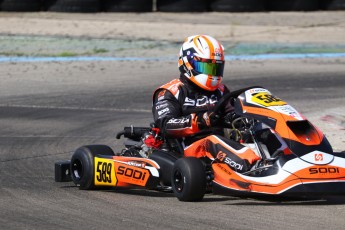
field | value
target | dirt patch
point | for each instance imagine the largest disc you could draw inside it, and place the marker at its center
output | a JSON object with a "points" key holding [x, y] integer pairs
{"points": [[291, 27]]}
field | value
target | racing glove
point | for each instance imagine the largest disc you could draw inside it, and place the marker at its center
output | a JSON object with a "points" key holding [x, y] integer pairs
{"points": [[207, 119], [229, 118]]}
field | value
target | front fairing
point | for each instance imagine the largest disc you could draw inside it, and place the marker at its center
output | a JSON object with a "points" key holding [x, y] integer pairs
{"points": [[306, 161], [266, 180], [316, 165], [289, 175], [299, 134]]}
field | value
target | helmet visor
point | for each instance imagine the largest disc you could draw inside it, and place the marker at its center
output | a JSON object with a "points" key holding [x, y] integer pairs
{"points": [[210, 67]]}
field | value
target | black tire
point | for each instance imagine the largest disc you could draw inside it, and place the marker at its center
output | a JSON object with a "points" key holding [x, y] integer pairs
{"points": [[293, 5], [333, 4], [82, 6], [82, 164], [20, 5], [182, 5], [127, 5], [188, 179], [237, 5]]}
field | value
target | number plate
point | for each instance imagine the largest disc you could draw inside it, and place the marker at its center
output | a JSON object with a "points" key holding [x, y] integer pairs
{"points": [[267, 99], [104, 172]]}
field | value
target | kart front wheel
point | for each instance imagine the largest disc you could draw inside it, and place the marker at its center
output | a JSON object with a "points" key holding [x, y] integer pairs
{"points": [[189, 179], [82, 164]]}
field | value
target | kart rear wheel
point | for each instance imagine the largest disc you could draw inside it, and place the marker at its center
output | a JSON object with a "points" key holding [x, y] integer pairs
{"points": [[82, 164], [189, 179]]}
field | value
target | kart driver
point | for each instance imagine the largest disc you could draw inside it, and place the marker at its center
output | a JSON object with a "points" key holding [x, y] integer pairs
{"points": [[183, 107]]}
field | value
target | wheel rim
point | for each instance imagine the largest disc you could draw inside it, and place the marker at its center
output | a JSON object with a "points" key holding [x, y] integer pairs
{"points": [[178, 181], [77, 169]]}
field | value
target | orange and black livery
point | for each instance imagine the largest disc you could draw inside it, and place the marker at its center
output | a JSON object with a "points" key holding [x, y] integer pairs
{"points": [[291, 156]]}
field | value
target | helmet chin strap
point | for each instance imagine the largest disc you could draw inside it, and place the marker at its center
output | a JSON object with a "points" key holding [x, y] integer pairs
{"points": [[190, 73]]}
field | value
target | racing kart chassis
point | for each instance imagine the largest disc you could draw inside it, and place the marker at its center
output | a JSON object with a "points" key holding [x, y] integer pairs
{"points": [[296, 158]]}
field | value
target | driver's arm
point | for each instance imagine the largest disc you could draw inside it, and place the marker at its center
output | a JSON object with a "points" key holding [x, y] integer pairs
{"points": [[167, 113]]}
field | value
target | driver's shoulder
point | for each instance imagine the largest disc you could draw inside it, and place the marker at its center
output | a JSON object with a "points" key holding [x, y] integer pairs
{"points": [[173, 87]]}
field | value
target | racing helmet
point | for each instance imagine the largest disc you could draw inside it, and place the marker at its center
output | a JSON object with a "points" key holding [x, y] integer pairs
{"points": [[201, 60]]}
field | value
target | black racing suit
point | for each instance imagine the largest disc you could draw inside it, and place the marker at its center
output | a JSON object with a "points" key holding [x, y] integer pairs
{"points": [[176, 107], [177, 103]]}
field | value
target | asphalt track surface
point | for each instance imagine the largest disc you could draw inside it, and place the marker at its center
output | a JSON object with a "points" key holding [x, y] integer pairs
{"points": [[47, 110]]}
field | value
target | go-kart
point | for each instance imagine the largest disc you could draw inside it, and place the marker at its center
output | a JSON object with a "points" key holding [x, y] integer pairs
{"points": [[296, 158]]}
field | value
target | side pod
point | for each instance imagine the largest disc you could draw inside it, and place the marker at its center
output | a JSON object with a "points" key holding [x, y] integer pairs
{"points": [[166, 161]]}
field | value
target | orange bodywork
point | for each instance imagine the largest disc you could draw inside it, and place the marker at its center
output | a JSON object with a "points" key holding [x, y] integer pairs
{"points": [[198, 149], [131, 175], [226, 177], [125, 171], [314, 137], [132, 172]]}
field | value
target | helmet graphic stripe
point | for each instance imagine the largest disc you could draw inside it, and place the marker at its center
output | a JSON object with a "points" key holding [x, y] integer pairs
{"points": [[210, 45], [197, 42]]}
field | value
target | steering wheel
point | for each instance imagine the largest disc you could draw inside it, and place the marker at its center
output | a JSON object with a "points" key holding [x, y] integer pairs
{"points": [[234, 94], [220, 104]]}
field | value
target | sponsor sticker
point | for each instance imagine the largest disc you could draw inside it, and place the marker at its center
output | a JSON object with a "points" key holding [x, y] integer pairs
{"points": [[233, 164], [137, 164], [221, 156], [258, 90], [201, 101], [217, 52], [324, 170], [161, 106], [161, 93], [224, 158], [318, 157], [178, 121], [132, 175], [164, 111]]}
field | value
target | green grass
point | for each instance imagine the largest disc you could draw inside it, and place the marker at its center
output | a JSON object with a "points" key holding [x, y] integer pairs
{"points": [[66, 54], [70, 47], [61, 54], [245, 49], [99, 50]]}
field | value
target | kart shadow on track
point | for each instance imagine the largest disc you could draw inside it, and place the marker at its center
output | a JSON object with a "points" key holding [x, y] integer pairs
{"points": [[245, 200], [140, 192], [211, 199], [135, 192], [292, 201]]}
